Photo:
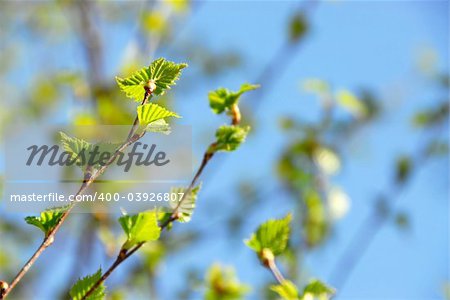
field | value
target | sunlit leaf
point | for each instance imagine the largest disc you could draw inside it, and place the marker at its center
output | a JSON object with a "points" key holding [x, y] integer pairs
{"points": [[221, 283], [48, 219], [298, 27], [351, 103], [186, 208], [432, 116], [161, 72], [229, 138], [142, 227], [316, 289], [318, 87], [272, 235]]}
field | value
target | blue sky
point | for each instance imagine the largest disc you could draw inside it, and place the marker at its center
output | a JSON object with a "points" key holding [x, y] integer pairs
{"points": [[352, 44]]}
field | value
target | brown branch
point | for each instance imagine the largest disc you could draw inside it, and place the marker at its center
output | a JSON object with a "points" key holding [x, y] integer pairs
{"points": [[124, 254], [89, 179]]}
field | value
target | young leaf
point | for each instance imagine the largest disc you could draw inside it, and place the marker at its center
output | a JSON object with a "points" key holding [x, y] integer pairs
{"points": [[139, 228], [159, 126], [186, 208], [315, 221], [48, 219], [316, 289], [161, 72], [229, 137], [272, 235], [74, 146], [81, 151], [221, 283], [298, 27], [149, 113], [223, 99], [83, 285], [287, 290]]}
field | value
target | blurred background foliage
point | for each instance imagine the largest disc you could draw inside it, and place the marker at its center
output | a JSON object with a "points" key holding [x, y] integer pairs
{"points": [[58, 63]]}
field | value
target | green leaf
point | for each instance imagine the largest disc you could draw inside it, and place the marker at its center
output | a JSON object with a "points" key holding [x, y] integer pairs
{"points": [[149, 113], [139, 228], [432, 116], [82, 286], [223, 99], [159, 126], [48, 219], [316, 289], [404, 167], [221, 283], [272, 235], [186, 208], [315, 222], [161, 72], [81, 150], [74, 146], [298, 27], [229, 138], [287, 290], [351, 103]]}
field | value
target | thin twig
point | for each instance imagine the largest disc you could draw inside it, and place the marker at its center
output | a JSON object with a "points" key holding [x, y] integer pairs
{"points": [[272, 266]]}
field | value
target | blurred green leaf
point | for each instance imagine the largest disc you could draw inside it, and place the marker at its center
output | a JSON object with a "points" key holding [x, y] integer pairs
{"points": [[318, 87], [403, 169], [75, 146], [437, 148], [153, 254], [272, 235], [327, 160], [298, 27], [316, 289], [315, 223], [338, 203], [286, 290], [222, 284], [186, 208], [432, 116]]}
